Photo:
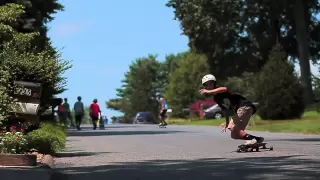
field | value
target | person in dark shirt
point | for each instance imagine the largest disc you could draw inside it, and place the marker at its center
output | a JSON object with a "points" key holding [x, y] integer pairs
{"points": [[238, 107]]}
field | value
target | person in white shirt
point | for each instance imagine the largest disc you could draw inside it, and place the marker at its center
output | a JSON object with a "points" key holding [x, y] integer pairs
{"points": [[78, 112]]}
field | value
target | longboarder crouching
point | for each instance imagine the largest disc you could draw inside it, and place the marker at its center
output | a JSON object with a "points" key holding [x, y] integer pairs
{"points": [[235, 104]]}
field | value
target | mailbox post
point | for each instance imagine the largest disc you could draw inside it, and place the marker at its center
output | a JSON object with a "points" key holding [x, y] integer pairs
{"points": [[54, 103]]}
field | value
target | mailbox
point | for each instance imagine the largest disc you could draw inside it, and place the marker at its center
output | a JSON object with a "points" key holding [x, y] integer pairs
{"points": [[27, 95]]}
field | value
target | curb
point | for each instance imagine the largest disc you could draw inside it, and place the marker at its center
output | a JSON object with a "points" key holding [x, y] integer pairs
{"points": [[44, 171], [47, 162]]}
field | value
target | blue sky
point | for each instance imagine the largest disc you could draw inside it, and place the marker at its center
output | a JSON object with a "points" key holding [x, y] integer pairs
{"points": [[103, 37]]}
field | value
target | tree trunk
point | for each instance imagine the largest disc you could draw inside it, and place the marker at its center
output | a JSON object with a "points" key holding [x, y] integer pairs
{"points": [[303, 50]]}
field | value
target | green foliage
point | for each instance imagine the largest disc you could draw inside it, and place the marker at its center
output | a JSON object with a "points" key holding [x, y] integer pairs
{"points": [[114, 104], [19, 61], [38, 14], [185, 82], [214, 29], [141, 85], [13, 142], [170, 65], [316, 86], [237, 36], [8, 15], [279, 93], [139, 88], [48, 139], [113, 118], [243, 85]]}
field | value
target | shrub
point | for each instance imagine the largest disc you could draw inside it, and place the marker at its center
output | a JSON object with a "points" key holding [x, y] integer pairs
{"points": [[20, 61], [49, 139], [243, 85], [279, 93]]}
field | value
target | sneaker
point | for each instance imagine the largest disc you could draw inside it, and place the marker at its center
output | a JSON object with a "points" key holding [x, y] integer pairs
{"points": [[160, 124], [249, 142], [260, 140]]}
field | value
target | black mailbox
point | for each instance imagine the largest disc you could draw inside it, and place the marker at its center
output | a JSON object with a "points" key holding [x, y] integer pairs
{"points": [[25, 89], [27, 95], [56, 101]]}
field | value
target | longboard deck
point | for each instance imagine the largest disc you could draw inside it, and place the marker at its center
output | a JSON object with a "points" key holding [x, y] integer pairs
{"points": [[162, 126], [252, 147]]}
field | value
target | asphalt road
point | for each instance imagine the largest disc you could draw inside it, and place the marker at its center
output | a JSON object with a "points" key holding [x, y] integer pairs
{"points": [[139, 152]]}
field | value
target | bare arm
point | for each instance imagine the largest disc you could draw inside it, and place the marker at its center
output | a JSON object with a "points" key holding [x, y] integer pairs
{"points": [[218, 90]]}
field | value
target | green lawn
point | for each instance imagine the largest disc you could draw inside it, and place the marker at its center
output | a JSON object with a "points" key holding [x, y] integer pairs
{"points": [[308, 124]]}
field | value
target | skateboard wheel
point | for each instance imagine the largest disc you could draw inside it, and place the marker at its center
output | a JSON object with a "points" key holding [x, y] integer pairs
{"points": [[251, 149], [257, 149], [271, 148], [238, 150]]}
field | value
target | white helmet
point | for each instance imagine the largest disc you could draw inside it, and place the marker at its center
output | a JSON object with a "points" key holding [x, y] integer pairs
{"points": [[208, 77]]}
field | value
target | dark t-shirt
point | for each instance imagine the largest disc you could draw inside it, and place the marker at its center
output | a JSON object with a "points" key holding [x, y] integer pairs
{"points": [[232, 102]]}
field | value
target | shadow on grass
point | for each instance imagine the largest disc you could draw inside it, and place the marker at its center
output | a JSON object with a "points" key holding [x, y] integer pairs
{"points": [[285, 167], [78, 154], [118, 133]]}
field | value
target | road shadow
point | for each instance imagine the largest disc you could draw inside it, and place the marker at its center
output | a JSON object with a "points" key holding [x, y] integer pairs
{"points": [[299, 140], [89, 127], [78, 154], [118, 133], [260, 168]]}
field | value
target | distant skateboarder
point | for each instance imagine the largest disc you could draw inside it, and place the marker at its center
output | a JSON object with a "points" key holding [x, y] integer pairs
{"points": [[236, 105], [163, 109]]}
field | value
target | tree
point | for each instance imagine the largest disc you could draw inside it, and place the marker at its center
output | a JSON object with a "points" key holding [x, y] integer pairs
{"points": [[185, 82], [19, 62], [279, 92], [215, 29], [170, 64], [243, 85], [237, 36], [38, 14], [139, 88]]}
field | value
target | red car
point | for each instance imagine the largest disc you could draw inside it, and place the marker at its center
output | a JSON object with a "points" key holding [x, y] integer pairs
{"points": [[201, 105]]}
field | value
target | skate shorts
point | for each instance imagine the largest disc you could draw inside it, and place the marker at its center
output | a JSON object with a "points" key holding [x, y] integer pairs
{"points": [[241, 119], [163, 113]]}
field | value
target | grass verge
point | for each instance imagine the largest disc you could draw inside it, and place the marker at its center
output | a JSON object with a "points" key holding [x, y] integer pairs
{"points": [[308, 124]]}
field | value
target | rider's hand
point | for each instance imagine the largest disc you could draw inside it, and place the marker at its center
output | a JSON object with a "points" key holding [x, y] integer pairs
{"points": [[224, 127]]}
